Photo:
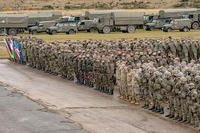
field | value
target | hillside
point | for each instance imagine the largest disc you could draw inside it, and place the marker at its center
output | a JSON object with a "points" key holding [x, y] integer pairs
{"points": [[87, 4]]}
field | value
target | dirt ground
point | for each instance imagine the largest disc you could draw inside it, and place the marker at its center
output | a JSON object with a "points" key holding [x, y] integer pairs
{"points": [[82, 11], [95, 112], [60, 4]]}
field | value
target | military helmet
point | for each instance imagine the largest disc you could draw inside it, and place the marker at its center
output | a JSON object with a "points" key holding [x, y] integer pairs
{"points": [[183, 79], [192, 85], [168, 74], [197, 78]]}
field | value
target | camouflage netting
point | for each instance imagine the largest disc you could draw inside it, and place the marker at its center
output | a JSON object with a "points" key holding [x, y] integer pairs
{"points": [[162, 75]]}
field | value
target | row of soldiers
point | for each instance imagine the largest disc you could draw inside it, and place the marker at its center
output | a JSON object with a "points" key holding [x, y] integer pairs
{"points": [[91, 63], [172, 87], [172, 90], [86, 61], [73, 62], [131, 65]]}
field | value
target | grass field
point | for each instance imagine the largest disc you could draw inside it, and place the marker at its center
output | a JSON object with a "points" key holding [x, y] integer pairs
{"points": [[3, 53], [195, 34]]}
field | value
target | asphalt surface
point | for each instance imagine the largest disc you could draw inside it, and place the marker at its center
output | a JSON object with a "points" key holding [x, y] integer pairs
{"points": [[19, 114], [94, 111]]}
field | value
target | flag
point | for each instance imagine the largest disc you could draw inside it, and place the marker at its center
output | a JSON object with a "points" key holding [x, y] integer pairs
{"points": [[8, 48], [12, 48], [18, 52], [16, 49]]}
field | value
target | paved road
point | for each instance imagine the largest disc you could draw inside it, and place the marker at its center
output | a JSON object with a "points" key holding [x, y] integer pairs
{"points": [[19, 114], [96, 112]]}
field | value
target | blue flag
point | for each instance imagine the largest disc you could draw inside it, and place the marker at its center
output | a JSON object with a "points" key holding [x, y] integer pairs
{"points": [[18, 52]]}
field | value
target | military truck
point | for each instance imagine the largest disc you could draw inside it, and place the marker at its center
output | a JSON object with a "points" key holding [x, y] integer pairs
{"points": [[157, 24], [68, 28], [35, 17], [195, 18], [124, 21], [12, 24], [87, 25], [183, 25], [41, 27], [175, 13]]}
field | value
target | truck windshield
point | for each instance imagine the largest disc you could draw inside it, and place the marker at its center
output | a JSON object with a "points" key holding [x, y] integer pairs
{"points": [[172, 22], [96, 20], [185, 16]]}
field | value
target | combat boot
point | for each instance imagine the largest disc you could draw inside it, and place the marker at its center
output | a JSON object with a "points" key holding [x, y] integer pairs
{"points": [[176, 118], [101, 89], [152, 108], [111, 92], [162, 110], [171, 116], [106, 90], [168, 115], [157, 109], [180, 118], [146, 107]]}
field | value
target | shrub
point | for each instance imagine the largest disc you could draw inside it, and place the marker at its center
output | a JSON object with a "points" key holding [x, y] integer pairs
{"points": [[48, 7]]}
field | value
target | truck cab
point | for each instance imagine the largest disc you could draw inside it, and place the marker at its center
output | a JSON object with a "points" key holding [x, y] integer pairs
{"points": [[195, 18], [87, 25], [183, 25]]}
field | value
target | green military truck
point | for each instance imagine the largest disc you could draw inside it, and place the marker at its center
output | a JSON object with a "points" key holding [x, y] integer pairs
{"points": [[41, 27], [35, 17], [44, 25], [68, 28], [166, 15], [183, 25], [124, 21], [87, 25], [12, 24], [195, 18], [157, 24], [176, 13]]}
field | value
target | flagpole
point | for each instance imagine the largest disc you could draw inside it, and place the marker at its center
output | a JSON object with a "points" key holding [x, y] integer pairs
{"points": [[8, 50]]}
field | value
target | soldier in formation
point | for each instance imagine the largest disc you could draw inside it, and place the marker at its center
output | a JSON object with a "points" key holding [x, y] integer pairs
{"points": [[157, 73]]}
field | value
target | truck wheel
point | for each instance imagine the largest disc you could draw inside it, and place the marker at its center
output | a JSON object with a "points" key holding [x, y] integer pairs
{"points": [[12, 32], [146, 28], [151, 28], [195, 25], [2, 32], [131, 29], [92, 30], [100, 31], [169, 30], [34, 32], [53, 32], [186, 29], [106, 30], [71, 32]]}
